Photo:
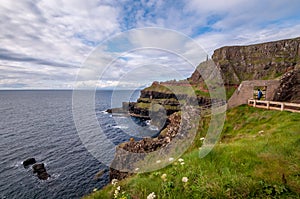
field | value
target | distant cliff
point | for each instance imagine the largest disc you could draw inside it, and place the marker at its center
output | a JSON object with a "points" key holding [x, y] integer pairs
{"points": [[259, 61], [265, 61]]}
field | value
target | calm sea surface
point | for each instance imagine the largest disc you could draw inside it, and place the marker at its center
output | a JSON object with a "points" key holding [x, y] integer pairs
{"points": [[40, 124]]}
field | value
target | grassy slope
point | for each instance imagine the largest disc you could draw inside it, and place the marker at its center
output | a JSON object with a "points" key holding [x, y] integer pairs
{"points": [[245, 164]]}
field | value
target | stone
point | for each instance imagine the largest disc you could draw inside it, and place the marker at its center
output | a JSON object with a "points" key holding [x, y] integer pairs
{"points": [[29, 162], [40, 170], [99, 174]]}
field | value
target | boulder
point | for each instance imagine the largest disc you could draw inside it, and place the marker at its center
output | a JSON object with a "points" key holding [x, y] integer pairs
{"points": [[29, 162], [41, 171]]}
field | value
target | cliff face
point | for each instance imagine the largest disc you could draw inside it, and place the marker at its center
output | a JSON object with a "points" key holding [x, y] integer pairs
{"points": [[289, 89], [169, 100], [260, 61]]}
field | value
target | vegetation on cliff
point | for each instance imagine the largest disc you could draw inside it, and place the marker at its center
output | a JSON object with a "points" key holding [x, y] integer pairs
{"points": [[258, 61], [258, 156]]}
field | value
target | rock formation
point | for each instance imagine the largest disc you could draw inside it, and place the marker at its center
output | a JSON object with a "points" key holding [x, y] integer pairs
{"points": [[29, 162], [259, 61], [289, 89], [40, 170]]}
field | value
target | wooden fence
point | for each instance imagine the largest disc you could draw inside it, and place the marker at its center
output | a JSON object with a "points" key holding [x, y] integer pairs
{"points": [[281, 106]]}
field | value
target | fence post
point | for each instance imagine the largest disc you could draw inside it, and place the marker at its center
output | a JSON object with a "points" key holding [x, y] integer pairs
{"points": [[254, 103], [282, 106], [268, 104]]}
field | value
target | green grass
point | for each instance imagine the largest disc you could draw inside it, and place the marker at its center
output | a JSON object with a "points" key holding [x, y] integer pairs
{"points": [[257, 147], [229, 92]]}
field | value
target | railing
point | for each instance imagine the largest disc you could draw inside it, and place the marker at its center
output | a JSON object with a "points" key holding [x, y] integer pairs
{"points": [[219, 107], [281, 106]]}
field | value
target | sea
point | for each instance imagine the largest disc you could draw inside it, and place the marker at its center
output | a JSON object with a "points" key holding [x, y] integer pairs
{"points": [[39, 124]]}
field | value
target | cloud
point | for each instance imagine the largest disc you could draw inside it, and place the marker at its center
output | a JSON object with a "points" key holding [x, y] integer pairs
{"points": [[52, 36], [44, 42]]}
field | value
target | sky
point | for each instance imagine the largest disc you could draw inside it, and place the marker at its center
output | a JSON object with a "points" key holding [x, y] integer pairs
{"points": [[49, 44]]}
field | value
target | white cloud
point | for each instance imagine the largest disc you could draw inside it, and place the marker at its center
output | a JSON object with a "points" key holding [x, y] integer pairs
{"points": [[44, 42], [55, 33]]}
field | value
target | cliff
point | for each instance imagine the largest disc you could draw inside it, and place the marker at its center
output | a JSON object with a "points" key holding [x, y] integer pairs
{"points": [[165, 96], [263, 61], [289, 88]]}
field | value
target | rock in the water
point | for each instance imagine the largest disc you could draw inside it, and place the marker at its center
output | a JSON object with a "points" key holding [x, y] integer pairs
{"points": [[29, 162], [99, 174], [41, 171]]}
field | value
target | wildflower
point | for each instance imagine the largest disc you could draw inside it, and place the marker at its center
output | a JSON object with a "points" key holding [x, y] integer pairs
{"points": [[116, 193], [164, 177], [202, 138], [95, 189], [182, 163], [180, 160], [158, 161], [114, 182], [136, 169], [171, 159], [151, 196], [184, 179]]}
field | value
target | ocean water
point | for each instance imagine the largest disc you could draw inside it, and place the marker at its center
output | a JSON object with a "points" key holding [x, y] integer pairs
{"points": [[40, 124]]}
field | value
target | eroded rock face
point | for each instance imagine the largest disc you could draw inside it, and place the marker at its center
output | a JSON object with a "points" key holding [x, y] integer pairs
{"points": [[178, 127], [289, 89], [145, 145], [41, 172], [258, 61]]}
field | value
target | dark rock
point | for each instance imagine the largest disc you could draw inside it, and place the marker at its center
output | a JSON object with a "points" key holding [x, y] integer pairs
{"points": [[29, 162], [177, 126], [99, 174], [116, 174], [289, 89], [41, 172]]}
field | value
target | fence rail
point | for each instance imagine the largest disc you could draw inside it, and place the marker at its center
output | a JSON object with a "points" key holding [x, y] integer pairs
{"points": [[272, 105]]}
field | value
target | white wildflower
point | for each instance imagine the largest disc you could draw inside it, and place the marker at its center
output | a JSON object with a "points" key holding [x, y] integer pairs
{"points": [[158, 161], [116, 193], [151, 196], [184, 179], [180, 160], [114, 182], [164, 177], [202, 138], [182, 163], [95, 189], [171, 159], [136, 169]]}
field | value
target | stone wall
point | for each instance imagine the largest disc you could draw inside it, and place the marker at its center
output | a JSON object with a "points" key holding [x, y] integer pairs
{"points": [[246, 88]]}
